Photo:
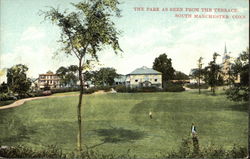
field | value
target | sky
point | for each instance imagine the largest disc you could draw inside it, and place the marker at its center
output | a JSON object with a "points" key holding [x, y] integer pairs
{"points": [[27, 39]]}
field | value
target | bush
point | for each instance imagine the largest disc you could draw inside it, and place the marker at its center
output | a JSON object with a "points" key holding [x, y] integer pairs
{"points": [[55, 152], [7, 102], [62, 90], [121, 88], [170, 87], [195, 86], [47, 93], [148, 89], [185, 151], [27, 152], [6, 96], [90, 90], [105, 88]]}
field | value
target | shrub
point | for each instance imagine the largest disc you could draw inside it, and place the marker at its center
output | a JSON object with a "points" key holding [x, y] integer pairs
{"points": [[46, 93], [52, 151], [148, 89], [105, 88], [120, 88], [7, 102], [90, 90], [185, 151], [62, 90], [6, 96], [27, 152], [170, 87], [195, 86]]}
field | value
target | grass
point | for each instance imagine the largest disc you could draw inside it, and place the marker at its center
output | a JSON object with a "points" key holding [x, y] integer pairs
{"points": [[119, 122]]}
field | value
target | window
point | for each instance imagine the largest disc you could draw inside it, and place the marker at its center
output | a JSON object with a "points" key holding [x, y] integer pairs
{"points": [[136, 80]]}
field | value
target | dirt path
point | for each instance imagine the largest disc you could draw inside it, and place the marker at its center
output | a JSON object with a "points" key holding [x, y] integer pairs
{"points": [[21, 101], [186, 88]]}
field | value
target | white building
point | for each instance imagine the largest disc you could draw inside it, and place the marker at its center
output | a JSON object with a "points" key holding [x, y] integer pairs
{"points": [[144, 77]]}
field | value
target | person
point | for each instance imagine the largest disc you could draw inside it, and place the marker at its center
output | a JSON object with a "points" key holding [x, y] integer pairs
{"points": [[150, 115], [193, 130]]}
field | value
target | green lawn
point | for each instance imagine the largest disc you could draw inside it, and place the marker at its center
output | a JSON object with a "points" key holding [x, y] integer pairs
{"points": [[118, 122]]}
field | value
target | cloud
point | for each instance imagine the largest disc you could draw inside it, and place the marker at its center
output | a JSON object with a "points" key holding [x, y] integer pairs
{"points": [[184, 44], [39, 60], [32, 33]]}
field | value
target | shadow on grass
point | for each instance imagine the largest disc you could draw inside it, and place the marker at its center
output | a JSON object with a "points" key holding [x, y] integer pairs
{"points": [[240, 107], [13, 128], [21, 133], [207, 92], [117, 135]]}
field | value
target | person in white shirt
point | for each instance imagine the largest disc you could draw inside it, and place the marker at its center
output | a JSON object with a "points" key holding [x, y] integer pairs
{"points": [[150, 115], [193, 130]]}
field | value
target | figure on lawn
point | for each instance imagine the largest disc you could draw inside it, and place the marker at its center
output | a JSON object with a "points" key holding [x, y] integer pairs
{"points": [[193, 130], [150, 115]]}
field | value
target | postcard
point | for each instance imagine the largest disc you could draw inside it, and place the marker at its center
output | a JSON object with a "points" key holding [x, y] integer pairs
{"points": [[124, 79]]}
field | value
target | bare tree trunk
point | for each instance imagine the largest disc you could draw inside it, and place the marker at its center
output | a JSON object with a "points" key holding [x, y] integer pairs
{"points": [[213, 90], [199, 85], [248, 108], [79, 116]]}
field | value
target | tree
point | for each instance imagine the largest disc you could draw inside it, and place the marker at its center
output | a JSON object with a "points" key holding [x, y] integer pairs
{"points": [[4, 88], [163, 64], [89, 75], [199, 73], [106, 76], [61, 72], [17, 79], [240, 91], [68, 75], [84, 33], [178, 75], [213, 73]]}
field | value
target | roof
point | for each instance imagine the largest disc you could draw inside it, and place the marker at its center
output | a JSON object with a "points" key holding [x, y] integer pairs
{"points": [[145, 71], [48, 73]]}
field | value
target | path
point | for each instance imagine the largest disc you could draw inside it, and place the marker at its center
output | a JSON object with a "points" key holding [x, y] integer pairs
{"points": [[186, 88], [21, 101]]}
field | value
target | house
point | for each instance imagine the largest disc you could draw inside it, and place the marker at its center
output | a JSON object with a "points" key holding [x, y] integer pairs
{"points": [[144, 77], [34, 84], [120, 80], [48, 79]]}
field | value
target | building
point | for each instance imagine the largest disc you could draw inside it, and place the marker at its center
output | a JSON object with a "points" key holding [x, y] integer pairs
{"points": [[48, 79], [144, 77], [34, 84], [120, 80], [226, 68]]}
